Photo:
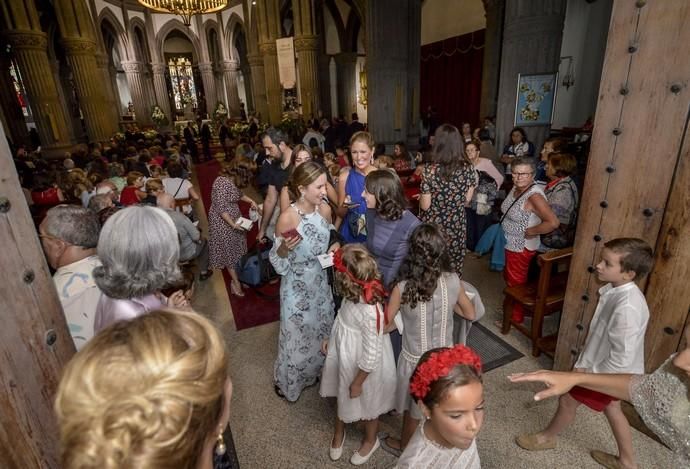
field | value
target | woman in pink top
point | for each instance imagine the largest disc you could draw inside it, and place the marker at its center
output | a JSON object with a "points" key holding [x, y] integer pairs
{"points": [[139, 251], [479, 209]]}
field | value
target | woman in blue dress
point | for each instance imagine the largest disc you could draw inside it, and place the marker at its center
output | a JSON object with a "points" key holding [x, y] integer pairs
{"points": [[306, 302], [351, 206]]}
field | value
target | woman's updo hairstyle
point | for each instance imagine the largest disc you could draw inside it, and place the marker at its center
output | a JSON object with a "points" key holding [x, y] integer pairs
{"points": [[385, 186], [143, 393], [303, 175], [364, 137], [459, 375]]}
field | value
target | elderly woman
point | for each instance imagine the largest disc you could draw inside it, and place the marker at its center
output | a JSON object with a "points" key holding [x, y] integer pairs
{"points": [[489, 180], [150, 392], [139, 251], [561, 193], [447, 186], [661, 398], [526, 216]]}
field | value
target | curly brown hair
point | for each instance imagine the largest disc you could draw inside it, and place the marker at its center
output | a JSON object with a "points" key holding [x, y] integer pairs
{"points": [[385, 186], [362, 266], [426, 260]]}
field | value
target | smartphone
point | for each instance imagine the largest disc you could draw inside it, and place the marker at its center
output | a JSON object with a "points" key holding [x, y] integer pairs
{"points": [[293, 233]]}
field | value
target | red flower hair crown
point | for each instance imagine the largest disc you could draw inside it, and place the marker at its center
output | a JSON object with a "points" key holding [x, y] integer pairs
{"points": [[438, 365]]}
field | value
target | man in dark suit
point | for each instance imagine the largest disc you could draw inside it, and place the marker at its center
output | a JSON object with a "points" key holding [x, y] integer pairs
{"points": [[190, 139], [355, 126]]}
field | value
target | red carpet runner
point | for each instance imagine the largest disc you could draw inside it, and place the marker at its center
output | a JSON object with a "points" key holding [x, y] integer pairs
{"points": [[258, 306]]}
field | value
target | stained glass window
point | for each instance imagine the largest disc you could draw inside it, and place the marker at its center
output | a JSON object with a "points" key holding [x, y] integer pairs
{"points": [[19, 89], [182, 79]]}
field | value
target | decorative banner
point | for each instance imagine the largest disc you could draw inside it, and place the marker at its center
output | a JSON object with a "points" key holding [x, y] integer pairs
{"points": [[536, 96], [286, 62]]}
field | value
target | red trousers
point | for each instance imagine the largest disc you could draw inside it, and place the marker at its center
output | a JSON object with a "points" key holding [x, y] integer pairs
{"points": [[515, 273]]}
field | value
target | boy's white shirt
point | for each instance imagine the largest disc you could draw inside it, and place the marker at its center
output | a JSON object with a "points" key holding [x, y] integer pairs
{"points": [[615, 343]]}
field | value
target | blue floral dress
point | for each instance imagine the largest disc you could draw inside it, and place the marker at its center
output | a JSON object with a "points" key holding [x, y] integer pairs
{"points": [[306, 308]]}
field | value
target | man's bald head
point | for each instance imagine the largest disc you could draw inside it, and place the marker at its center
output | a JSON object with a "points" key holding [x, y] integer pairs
{"points": [[165, 200]]}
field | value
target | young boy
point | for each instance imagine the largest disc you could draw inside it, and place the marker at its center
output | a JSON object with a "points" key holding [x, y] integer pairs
{"points": [[615, 344]]}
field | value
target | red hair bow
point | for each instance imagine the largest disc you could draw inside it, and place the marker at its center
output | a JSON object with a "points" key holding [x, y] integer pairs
{"points": [[438, 365], [370, 288]]}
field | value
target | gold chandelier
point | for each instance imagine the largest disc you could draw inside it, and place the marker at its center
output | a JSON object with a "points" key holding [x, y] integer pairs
{"points": [[185, 8]]}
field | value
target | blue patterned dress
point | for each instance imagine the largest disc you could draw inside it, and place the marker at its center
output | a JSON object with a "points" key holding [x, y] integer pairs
{"points": [[306, 308]]}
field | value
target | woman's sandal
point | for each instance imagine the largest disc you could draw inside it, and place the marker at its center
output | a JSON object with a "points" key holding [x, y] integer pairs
{"points": [[278, 392], [237, 291], [383, 437]]}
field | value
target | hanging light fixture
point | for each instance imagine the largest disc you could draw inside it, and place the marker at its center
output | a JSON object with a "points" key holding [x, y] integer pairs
{"points": [[185, 8]]}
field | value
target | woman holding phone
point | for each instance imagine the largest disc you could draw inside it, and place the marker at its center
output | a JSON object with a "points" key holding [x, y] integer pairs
{"points": [[306, 302], [351, 205]]}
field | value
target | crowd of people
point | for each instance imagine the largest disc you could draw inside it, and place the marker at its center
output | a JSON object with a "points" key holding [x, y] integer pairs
{"points": [[375, 308]]}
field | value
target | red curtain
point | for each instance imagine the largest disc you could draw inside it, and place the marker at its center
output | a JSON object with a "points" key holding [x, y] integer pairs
{"points": [[451, 78]]}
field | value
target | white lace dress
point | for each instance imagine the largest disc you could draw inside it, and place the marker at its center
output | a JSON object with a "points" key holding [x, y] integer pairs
{"points": [[661, 399], [354, 345], [422, 453]]}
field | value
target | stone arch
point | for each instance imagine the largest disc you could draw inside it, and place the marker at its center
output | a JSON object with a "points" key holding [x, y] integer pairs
{"points": [[108, 20], [139, 43], [234, 25], [212, 36], [177, 25]]}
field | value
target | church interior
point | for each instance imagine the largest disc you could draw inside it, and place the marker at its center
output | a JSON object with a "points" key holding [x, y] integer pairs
{"points": [[110, 80]]}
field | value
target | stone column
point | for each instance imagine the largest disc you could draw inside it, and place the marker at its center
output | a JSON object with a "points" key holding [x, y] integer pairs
{"points": [[161, 89], [206, 70], [230, 68], [248, 85], [532, 35], [414, 57], [306, 47], [134, 74], [256, 64], [274, 96], [30, 49], [346, 62], [392, 69], [11, 110], [80, 54], [110, 93], [495, 10], [323, 60]]}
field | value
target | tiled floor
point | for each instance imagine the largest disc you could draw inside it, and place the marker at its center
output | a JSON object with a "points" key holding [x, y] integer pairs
{"points": [[271, 433]]}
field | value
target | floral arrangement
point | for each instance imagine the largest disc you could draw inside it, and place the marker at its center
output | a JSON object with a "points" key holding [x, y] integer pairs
{"points": [[438, 365], [293, 125], [158, 116], [221, 111], [150, 134]]}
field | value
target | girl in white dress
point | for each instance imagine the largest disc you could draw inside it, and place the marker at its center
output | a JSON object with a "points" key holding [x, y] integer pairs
{"points": [[427, 296], [448, 388], [359, 368]]}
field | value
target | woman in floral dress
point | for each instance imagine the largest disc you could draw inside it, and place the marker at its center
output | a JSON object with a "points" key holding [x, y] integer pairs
{"points": [[227, 241], [306, 302], [447, 186]]}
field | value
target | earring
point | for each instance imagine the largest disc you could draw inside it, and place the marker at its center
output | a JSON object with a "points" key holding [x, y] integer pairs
{"points": [[220, 444]]}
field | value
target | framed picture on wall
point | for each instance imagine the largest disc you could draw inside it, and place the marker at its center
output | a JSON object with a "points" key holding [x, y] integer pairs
{"points": [[536, 96]]}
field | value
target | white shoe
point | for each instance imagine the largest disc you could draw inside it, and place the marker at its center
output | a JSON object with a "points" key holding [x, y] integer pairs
{"points": [[358, 459], [335, 453]]}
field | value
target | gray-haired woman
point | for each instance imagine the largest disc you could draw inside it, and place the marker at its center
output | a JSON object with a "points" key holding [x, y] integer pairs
{"points": [[139, 251]]}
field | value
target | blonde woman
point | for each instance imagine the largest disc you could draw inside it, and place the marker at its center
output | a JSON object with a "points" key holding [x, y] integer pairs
{"points": [[150, 392]]}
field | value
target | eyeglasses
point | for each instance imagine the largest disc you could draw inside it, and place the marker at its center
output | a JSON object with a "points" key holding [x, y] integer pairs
{"points": [[522, 175]]}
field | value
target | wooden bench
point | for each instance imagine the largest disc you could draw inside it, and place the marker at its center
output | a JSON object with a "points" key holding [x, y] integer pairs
{"points": [[542, 297]]}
